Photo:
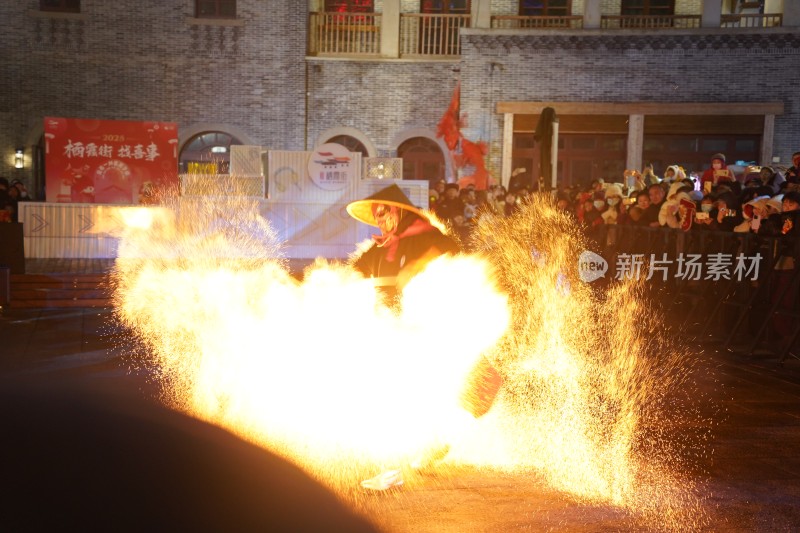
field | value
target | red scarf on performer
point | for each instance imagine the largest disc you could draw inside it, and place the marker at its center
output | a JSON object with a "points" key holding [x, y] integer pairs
{"points": [[390, 242]]}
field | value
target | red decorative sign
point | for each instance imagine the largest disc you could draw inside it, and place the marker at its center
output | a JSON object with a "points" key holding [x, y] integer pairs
{"points": [[108, 161]]}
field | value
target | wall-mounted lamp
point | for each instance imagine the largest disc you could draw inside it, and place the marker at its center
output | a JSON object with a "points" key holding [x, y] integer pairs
{"points": [[19, 158]]}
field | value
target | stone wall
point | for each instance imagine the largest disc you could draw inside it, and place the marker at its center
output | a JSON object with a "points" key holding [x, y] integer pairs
{"points": [[379, 98], [135, 60], [147, 60]]}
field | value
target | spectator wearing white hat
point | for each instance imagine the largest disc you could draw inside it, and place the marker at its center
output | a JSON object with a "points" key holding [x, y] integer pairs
{"points": [[775, 205], [679, 211], [669, 214], [772, 224], [615, 211], [753, 213], [674, 174]]}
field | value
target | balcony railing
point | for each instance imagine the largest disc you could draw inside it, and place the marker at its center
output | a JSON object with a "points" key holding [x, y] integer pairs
{"points": [[520, 21], [757, 20], [423, 34], [614, 22], [344, 34], [433, 35]]}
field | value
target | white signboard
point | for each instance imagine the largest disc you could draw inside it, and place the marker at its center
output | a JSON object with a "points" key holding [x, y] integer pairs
{"points": [[331, 167]]}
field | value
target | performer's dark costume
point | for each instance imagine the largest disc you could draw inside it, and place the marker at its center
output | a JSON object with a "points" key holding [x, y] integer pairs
{"points": [[408, 242], [414, 246]]}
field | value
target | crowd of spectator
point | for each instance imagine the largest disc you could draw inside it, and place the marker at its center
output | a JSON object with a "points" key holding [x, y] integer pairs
{"points": [[760, 200], [461, 208]]}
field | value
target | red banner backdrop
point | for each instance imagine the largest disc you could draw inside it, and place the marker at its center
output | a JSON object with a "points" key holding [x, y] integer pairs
{"points": [[108, 161]]}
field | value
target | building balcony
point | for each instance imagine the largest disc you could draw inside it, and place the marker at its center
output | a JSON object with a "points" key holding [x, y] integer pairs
{"points": [[622, 22], [665, 22], [757, 20], [359, 35], [335, 34], [434, 36], [517, 22]]}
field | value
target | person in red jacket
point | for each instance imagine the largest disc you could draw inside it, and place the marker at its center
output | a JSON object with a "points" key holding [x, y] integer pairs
{"points": [[718, 172]]}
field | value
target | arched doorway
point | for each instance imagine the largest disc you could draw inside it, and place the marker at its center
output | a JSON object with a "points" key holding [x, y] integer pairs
{"points": [[208, 152], [422, 159]]}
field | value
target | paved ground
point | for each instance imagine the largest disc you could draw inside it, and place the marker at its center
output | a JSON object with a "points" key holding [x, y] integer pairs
{"points": [[753, 468]]}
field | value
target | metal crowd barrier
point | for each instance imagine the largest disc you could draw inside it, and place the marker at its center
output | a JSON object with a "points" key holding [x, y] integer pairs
{"points": [[714, 286]]}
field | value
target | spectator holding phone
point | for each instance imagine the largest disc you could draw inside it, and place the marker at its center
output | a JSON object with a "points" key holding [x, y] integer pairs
{"points": [[634, 181], [783, 222], [705, 214], [678, 210], [728, 213], [718, 173], [753, 212]]}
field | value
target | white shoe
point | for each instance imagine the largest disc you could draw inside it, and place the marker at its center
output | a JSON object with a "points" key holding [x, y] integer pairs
{"points": [[384, 480]]}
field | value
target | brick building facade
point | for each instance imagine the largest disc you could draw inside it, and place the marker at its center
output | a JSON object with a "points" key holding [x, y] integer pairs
{"points": [[255, 78]]}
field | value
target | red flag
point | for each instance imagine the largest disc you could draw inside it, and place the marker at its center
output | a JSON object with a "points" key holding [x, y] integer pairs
{"points": [[449, 126], [472, 154]]}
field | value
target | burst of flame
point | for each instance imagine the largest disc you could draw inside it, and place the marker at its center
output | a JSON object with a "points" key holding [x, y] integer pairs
{"points": [[324, 373]]}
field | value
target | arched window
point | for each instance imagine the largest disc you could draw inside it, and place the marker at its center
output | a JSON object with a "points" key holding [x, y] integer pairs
{"points": [[422, 159], [351, 143], [207, 153]]}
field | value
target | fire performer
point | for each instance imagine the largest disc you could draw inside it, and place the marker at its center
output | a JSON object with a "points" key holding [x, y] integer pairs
{"points": [[407, 243]]}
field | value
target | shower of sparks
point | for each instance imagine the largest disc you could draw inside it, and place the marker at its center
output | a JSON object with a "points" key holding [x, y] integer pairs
{"points": [[324, 373]]}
